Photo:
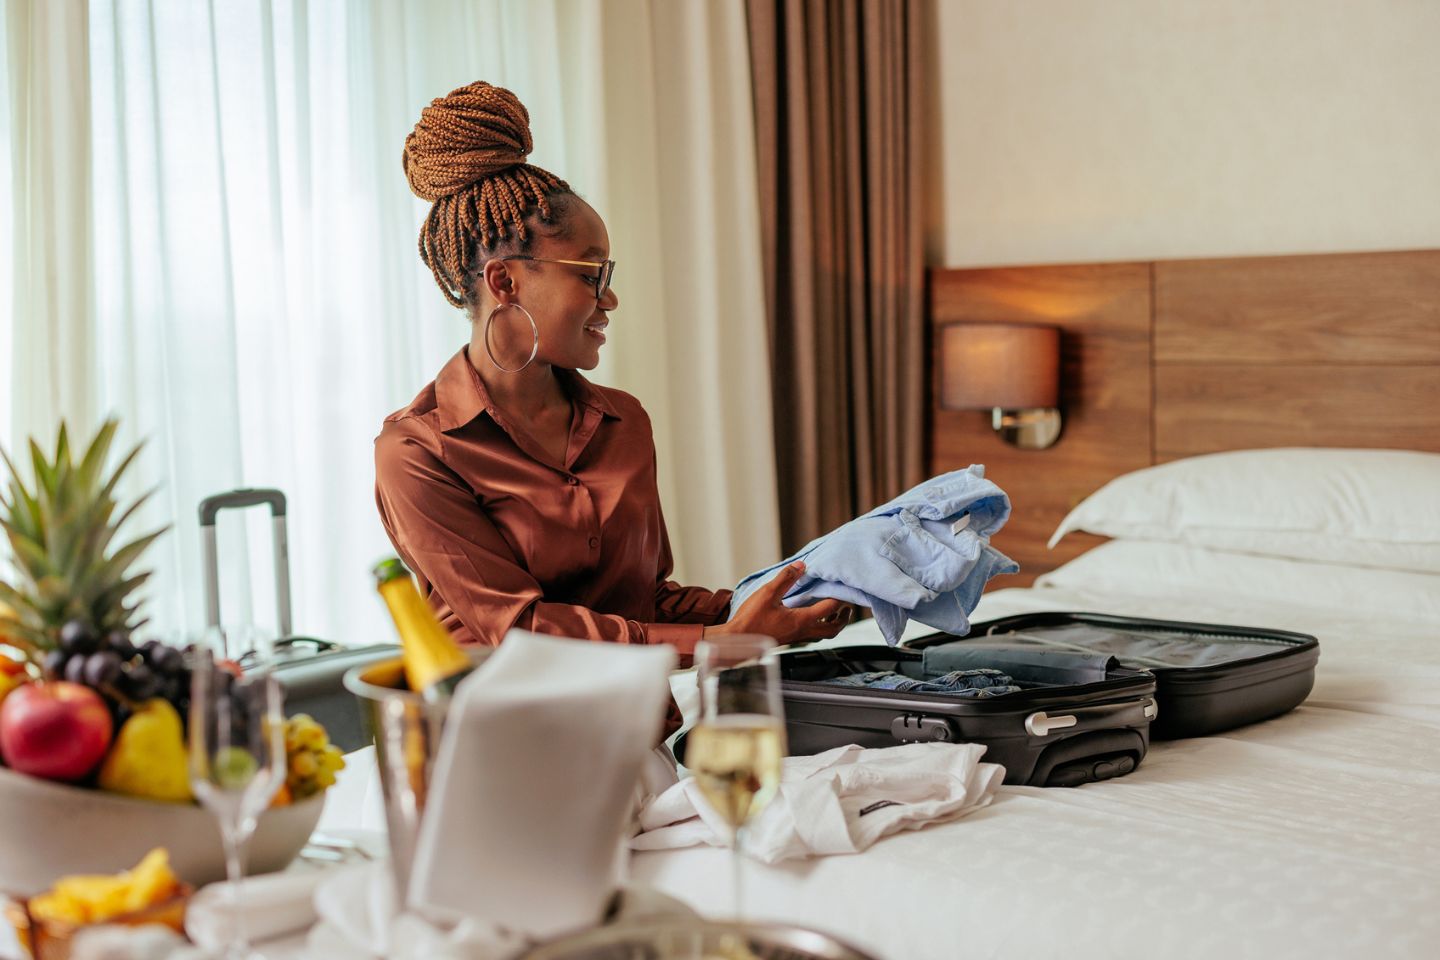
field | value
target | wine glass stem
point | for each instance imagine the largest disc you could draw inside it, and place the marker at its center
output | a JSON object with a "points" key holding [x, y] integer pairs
{"points": [[737, 867], [234, 838]]}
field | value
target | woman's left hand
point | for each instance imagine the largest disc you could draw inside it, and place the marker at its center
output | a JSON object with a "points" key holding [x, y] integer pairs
{"points": [[764, 612]]}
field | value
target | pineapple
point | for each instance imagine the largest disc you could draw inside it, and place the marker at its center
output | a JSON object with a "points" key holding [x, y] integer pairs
{"points": [[61, 534]]}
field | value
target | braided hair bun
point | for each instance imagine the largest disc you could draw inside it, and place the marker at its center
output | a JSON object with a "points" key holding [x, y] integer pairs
{"points": [[467, 157]]}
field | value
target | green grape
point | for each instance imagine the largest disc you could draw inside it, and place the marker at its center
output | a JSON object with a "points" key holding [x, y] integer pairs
{"points": [[303, 765], [312, 760], [233, 768]]}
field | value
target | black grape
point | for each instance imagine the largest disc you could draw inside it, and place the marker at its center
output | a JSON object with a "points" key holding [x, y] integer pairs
{"points": [[167, 659], [77, 637], [54, 664], [75, 669], [102, 668], [143, 682], [170, 689], [119, 641]]}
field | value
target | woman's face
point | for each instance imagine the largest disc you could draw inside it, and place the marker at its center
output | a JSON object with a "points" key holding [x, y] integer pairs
{"points": [[560, 296]]}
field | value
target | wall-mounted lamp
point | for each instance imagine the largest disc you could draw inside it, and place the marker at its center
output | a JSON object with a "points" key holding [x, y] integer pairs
{"points": [[1013, 370]]}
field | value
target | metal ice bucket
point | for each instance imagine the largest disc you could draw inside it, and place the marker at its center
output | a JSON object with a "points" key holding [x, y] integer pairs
{"points": [[407, 736], [696, 939]]}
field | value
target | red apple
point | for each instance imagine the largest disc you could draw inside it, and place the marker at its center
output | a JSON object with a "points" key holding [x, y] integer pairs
{"points": [[58, 731]]}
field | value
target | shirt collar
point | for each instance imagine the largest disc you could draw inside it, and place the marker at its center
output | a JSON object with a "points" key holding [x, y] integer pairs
{"points": [[460, 394], [587, 393]]}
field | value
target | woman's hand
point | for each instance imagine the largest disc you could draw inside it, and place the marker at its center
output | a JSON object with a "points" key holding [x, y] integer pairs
{"points": [[765, 614]]}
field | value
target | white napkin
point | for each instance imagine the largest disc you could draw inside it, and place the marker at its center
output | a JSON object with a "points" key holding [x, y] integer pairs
{"points": [[274, 904], [658, 773], [113, 941], [355, 803], [533, 786], [840, 801], [359, 902], [359, 918]]}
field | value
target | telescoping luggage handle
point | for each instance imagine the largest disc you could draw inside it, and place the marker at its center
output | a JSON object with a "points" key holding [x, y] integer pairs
{"points": [[235, 499]]}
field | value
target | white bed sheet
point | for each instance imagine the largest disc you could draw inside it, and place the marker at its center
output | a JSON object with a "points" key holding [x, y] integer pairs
{"points": [[1316, 834]]}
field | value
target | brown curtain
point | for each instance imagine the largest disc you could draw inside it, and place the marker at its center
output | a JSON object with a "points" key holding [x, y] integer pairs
{"points": [[837, 112]]}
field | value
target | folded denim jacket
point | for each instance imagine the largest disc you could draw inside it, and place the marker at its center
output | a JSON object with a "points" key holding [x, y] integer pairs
{"points": [[925, 555]]}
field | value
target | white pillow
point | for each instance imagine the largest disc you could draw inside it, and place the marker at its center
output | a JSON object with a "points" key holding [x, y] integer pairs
{"points": [[1369, 508]]}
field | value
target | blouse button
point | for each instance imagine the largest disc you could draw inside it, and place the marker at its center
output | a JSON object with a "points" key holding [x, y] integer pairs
{"points": [[594, 542], [572, 481]]}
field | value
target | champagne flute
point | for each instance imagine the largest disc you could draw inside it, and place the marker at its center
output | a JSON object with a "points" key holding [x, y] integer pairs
{"points": [[736, 748], [237, 756]]}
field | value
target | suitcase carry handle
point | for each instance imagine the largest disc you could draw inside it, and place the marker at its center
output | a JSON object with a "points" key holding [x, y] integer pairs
{"points": [[235, 499], [248, 497], [1079, 719], [288, 647]]}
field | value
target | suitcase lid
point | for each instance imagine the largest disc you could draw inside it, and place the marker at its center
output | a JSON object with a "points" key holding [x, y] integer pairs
{"points": [[1209, 677]]}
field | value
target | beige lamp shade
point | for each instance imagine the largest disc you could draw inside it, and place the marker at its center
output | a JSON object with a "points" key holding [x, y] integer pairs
{"points": [[999, 365]]}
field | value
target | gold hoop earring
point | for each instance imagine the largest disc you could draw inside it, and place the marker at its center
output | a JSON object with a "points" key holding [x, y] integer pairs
{"points": [[534, 347]]}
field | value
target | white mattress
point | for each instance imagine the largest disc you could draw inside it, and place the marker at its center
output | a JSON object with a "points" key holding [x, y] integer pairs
{"points": [[1316, 834]]}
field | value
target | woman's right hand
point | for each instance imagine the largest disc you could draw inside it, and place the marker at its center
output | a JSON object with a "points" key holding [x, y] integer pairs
{"points": [[763, 612]]}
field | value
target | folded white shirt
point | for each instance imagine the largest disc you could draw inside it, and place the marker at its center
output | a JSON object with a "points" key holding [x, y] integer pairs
{"points": [[839, 801]]}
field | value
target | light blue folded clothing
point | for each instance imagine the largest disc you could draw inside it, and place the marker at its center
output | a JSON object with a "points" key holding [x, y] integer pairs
{"points": [[925, 555]]}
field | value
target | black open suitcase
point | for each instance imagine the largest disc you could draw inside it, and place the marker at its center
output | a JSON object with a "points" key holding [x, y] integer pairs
{"points": [[1095, 689]]}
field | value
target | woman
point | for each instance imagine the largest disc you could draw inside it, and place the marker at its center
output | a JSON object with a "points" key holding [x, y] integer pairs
{"points": [[520, 493]]}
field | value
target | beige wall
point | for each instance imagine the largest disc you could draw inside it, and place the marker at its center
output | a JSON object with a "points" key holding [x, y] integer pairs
{"points": [[1149, 129]]}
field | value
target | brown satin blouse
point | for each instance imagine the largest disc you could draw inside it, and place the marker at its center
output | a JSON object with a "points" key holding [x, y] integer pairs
{"points": [[502, 535]]}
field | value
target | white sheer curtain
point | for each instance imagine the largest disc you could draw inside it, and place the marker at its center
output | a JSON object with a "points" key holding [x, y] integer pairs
{"points": [[257, 305], [45, 305]]}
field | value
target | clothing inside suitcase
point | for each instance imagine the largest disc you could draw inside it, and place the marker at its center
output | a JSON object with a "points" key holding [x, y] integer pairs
{"points": [[1052, 668]]}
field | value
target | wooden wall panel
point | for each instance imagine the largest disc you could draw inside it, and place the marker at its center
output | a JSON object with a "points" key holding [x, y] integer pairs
{"points": [[1206, 408], [1104, 314], [1172, 359], [1333, 308]]}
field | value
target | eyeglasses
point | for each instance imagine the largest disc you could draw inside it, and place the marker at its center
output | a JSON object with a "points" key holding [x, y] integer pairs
{"points": [[601, 281]]}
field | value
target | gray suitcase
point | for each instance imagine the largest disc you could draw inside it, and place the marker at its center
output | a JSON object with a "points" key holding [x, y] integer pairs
{"points": [[309, 669]]}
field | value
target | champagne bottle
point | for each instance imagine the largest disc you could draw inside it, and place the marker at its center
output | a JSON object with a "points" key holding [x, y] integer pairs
{"points": [[434, 663]]}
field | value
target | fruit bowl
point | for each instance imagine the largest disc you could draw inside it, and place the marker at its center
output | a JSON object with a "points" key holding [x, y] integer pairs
{"points": [[52, 830]]}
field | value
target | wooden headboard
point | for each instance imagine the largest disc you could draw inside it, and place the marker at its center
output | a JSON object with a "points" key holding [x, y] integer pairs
{"points": [[1169, 359]]}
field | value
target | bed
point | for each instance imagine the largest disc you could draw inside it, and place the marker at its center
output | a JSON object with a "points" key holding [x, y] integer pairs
{"points": [[1315, 834]]}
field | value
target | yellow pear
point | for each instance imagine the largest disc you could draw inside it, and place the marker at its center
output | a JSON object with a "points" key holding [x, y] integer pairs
{"points": [[148, 757]]}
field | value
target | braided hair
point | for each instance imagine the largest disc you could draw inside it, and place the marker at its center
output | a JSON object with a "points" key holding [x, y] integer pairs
{"points": [[466, 156]]}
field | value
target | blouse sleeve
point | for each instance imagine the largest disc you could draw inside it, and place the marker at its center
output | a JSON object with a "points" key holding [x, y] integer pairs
{"points": [[444, 534]]}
